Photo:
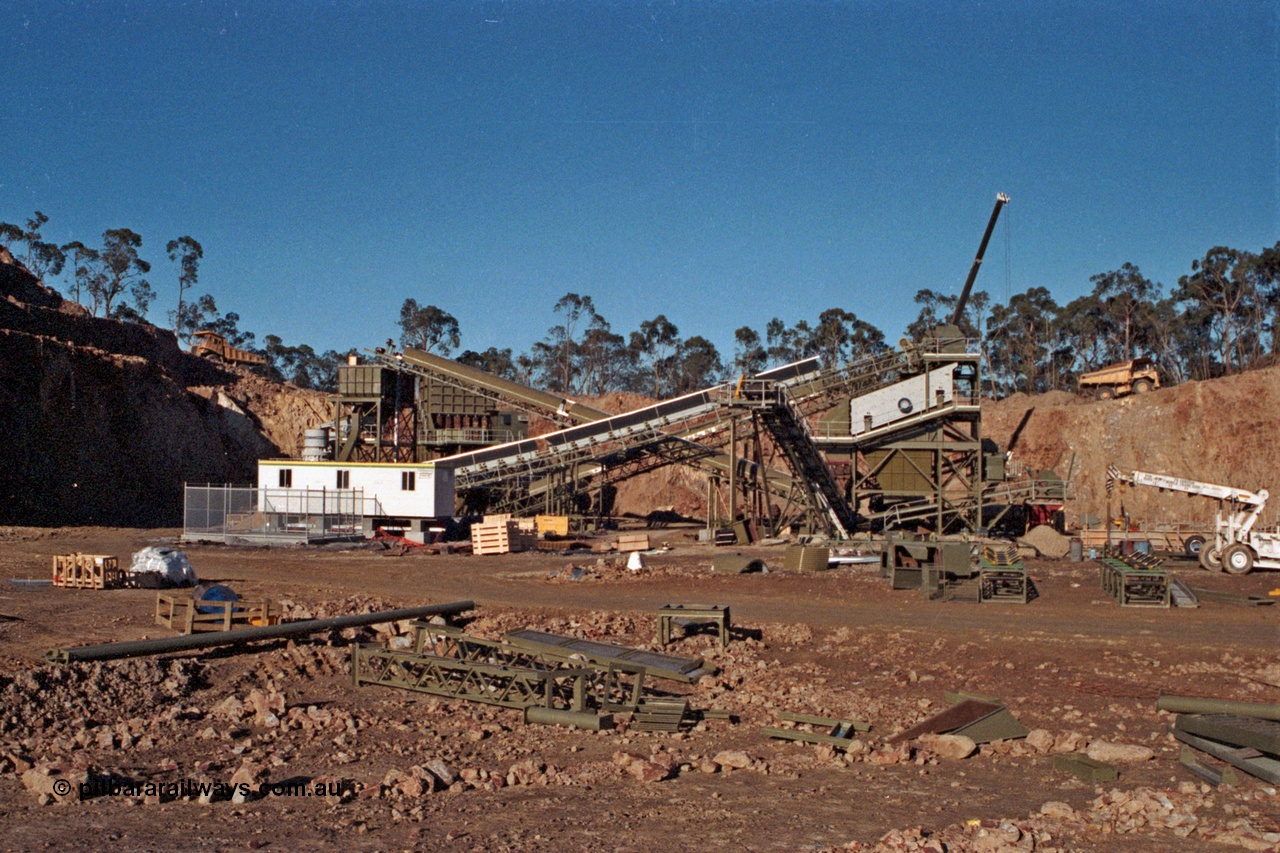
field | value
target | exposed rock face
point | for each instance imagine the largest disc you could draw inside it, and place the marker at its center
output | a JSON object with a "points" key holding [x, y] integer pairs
{"points": [[1218, 431], [104, 421]]}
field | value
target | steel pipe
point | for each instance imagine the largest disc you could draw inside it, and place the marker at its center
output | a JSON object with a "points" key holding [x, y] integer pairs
{"points": [[587, 720], [1193, 705], [164, 645]]}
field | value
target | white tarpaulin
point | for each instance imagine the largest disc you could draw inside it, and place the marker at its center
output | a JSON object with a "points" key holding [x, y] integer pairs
{"points": [[173, 566]]}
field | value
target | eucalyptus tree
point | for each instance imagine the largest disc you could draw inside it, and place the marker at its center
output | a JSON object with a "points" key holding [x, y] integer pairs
{"points": [[697, 365], [749, 356], [1021, 338], [186, 252], [1222, 293], [428, 328], [655, 345], [493, 360], [1125, 298], [123, 270], [42, 258], [87, 272]]}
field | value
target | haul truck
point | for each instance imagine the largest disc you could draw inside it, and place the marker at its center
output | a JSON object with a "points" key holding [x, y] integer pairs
{"points": [[213, 346], [1236, 546], [1129, 377]]}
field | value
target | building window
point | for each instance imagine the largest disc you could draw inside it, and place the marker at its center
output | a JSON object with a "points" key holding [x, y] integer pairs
{"points": [[344, 479], [286, 478], [408, 481]]}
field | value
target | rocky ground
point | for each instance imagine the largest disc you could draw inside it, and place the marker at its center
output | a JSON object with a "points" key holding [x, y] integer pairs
{"points": [[387, 769]]}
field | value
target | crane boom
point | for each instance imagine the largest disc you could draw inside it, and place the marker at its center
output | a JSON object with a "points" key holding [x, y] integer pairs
{"points": [[1191, 487], [1001, 201]]}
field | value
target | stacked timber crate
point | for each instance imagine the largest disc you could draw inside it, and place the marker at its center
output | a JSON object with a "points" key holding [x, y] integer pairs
{"points": [[633, 542], [501, 534]]}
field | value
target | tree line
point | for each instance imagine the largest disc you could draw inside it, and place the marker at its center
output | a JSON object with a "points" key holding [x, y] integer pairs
{"points": [[111, 280], [1222, 317]]}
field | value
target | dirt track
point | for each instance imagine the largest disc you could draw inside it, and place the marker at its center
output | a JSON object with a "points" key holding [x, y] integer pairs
{"points": [[838, 643]]}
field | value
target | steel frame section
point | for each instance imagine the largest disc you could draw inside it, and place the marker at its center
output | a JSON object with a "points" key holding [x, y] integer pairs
{"points": [[522, 492], [608, 688], [572, 649], [358, 446], [492, 684], [561, 410], [952, 495], [790, 430]]}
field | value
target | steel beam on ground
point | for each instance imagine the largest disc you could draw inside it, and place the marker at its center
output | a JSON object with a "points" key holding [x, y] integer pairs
{"points": [[142, 648]]}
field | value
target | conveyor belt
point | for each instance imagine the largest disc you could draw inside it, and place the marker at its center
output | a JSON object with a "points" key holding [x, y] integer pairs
{"points": [[791, 433], [529, 454], [661, 449], [561, 409]]}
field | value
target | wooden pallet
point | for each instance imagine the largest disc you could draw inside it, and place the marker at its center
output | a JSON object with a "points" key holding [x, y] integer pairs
{"points": [[503, 538], [87, 571], [183, 614]]}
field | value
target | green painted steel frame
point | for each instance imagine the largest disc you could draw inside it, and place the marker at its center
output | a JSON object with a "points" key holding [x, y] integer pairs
{"points": [[615, 687], [564, 689]]}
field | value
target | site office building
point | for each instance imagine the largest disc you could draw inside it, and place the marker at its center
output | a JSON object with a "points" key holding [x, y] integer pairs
{"points": [[400, 496]]}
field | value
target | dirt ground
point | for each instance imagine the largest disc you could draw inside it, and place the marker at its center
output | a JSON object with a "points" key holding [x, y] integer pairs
{"points": [[839, 643]]}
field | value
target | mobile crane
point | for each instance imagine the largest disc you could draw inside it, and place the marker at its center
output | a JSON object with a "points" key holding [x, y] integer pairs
{"points": [[1237, 547]]}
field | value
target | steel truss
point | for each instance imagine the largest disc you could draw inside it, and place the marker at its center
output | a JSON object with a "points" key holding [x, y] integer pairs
{"points": [[445, 662]]}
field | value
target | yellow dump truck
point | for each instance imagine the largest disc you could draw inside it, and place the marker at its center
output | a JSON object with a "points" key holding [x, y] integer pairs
{"points": [[213, 346], [1129, 377]]}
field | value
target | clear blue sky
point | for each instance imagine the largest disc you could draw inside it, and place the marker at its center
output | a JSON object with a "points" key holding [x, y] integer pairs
{"points": [[721, 163]]}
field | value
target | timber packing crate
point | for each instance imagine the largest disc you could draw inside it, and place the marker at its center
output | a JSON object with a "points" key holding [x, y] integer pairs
{"points": [[633, 542], [87, 571], [187, 615]]}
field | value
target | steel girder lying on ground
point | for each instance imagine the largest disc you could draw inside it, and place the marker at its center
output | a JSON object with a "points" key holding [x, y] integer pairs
{"points": [[446, 662], [491, 684]]}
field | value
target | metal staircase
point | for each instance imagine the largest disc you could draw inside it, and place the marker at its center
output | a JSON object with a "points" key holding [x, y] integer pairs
{"points": [[791, 433]]}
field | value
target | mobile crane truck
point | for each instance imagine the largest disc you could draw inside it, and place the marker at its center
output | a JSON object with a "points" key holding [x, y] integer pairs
{"points": [[1237, 547]]}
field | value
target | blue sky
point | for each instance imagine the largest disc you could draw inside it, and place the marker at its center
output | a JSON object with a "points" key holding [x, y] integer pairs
{"points": [[720, 163]]}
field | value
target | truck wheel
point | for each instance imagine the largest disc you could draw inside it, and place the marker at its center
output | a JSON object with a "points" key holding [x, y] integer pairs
{"points": [[1193, 545], [1104, 393], [1211, 558], [1142, 386], [1238, 559]]}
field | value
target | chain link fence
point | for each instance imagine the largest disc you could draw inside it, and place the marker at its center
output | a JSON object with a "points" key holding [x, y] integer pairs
{"points": [[214, 513]]}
